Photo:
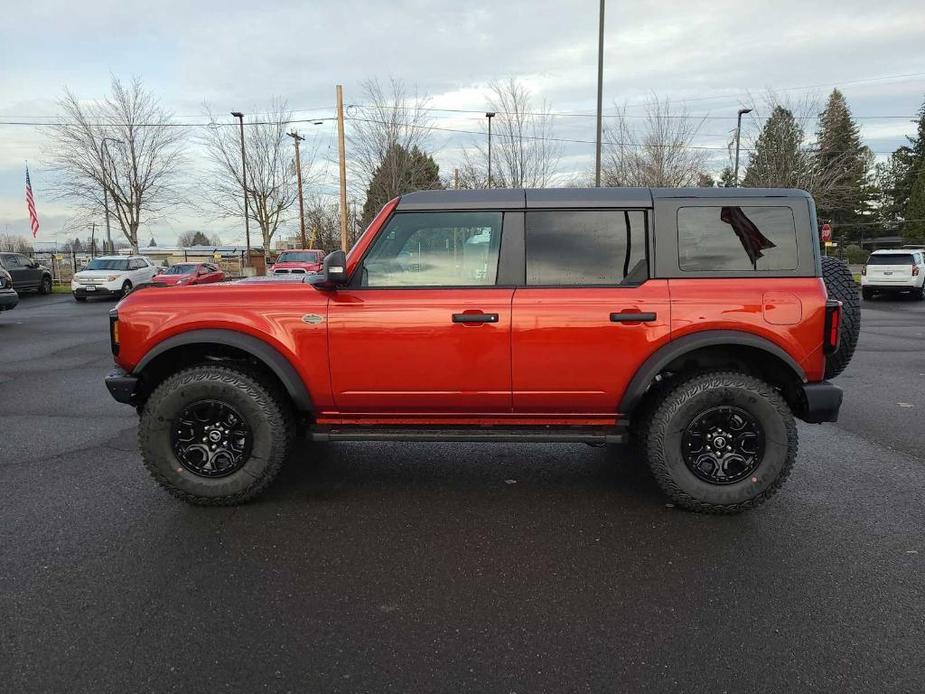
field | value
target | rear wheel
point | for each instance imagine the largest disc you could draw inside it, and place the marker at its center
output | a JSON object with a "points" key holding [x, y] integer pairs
{"points": [[867, 294], [214, 435], [840, 285], [721, 442], [79, 299], [919, 293]]}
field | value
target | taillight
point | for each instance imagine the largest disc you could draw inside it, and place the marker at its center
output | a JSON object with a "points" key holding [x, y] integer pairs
{"points": [[114, 331], [832, 330], [863, 269], [915, 270]]}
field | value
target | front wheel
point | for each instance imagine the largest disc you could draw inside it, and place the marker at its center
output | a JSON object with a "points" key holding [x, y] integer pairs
{"points": [[126, 288], [214, 436], [45, 287], [721, 442]]}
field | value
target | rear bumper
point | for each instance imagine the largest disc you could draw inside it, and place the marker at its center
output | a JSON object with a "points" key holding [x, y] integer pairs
{"points": [[908, 287], [8, 299], [821, 402], [122, 386]]}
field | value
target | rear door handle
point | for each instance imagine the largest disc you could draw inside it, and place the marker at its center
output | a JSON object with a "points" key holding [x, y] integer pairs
{"points": [[475, 317], [646, 317]]}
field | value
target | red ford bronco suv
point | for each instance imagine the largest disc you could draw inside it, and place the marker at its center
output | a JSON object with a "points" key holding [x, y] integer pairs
{"points": [[694, 324]]}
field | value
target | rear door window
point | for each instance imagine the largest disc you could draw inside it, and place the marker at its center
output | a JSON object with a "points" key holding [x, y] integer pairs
{"points": [[586, 247], [733, 238], [891, 259]]}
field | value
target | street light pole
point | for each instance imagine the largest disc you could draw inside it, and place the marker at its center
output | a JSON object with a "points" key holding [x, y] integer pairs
{"points": [[106, 156], [247, 225], [296, 138], [600, 94], [489, 116], [735, 172]]}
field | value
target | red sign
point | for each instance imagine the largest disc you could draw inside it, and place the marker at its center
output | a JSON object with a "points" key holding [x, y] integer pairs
{"points": [[826, 232]]}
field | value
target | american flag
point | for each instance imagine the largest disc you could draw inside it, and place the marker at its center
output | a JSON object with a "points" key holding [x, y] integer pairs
{"points": [[30, 203]]}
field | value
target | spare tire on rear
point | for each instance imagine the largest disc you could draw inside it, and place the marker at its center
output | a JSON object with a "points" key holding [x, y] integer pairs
{"points": [[841, 286]]}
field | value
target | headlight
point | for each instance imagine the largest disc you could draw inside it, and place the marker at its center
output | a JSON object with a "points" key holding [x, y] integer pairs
{"points": [[112, 278]]}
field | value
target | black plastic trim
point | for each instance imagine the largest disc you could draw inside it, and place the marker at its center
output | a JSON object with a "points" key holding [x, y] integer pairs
{"points": [[646, 317], [652, 366], [823, 401], [473, 434], [260, 350], [122, 386]]}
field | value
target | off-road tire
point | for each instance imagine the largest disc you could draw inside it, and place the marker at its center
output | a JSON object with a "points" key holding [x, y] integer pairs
{"points": [[680, 405], [840, 285], [80, 299], [45, 286], [867, 294], [265, 410]]}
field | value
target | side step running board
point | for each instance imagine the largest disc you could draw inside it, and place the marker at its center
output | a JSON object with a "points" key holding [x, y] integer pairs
{"points": [[474, 434]]}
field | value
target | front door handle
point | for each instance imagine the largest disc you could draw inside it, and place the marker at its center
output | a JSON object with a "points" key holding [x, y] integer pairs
{"points": [[475, 317], [638, 317]]}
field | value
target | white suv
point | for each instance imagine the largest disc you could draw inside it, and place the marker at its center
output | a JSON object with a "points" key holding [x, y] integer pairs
{"points": [[109, 275], [900, 270]]}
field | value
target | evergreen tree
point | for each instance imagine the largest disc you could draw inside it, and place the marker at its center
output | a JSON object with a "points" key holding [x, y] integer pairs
{"points": [[898, 179], [152, 243], [844, 161], [726, 178], [400, 171], [778, 159], [914, 225]]}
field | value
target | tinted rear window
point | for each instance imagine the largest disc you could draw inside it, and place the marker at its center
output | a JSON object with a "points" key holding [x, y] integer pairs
{"points": [[736, 238], [891, 259], [103, 264], [299, 257], [584, 247]]}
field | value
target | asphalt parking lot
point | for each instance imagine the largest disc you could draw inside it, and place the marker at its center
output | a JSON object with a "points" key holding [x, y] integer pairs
{"points": [[450, 567]]}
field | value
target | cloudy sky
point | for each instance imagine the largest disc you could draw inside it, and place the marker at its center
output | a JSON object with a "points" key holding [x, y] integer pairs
{"points": [[233, 55]]}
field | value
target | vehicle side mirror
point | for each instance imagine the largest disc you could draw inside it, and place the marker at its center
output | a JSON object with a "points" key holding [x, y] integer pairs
{"points": [[335, 269]]}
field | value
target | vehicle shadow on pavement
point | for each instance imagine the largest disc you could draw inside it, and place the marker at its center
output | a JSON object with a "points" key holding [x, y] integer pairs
{"points": [[340, 471]]}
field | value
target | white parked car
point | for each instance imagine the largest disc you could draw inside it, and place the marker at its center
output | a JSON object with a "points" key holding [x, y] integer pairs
{"points": [[112, 275], [894, 271]]}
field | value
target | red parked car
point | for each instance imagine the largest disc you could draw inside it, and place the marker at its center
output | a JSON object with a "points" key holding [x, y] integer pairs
{"points": [[299, 262], [189, 273], [697, 324]]}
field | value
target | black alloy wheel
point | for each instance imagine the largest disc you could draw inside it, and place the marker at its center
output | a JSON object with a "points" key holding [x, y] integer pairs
{"points": [[723, 445], [211, 439]]}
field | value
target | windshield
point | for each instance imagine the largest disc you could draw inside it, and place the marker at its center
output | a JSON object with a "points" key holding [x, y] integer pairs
{"points": [[104, 264], [299, 257], [180, 270], [891, 259]]}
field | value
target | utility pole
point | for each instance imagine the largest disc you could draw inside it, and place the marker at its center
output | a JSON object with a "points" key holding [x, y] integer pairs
{"points": [[343, 167], [247, 225], [298, 172], [600, 95], [92, 238], [106, 155], [456, 179], [489, 116], [735, 172]]}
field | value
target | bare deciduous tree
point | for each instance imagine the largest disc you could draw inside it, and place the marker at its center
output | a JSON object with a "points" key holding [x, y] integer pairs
{"points": [[392, 122], [13, 243], [523, 151], [271, 174], [657, 150], [144, 155]]}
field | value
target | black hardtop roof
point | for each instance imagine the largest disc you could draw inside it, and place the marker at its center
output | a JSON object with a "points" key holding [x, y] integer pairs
{"points": [[520, 198]]}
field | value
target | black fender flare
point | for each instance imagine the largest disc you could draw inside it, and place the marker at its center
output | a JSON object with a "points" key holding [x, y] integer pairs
{"points": [[269, 355], [656, 362]]}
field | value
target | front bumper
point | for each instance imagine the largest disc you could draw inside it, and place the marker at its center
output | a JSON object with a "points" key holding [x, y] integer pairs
{"points": [[101, 290], [122, 386], [8, 299], [821, 402]]}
